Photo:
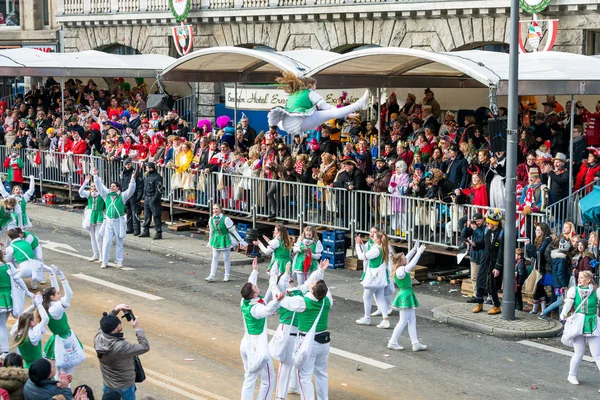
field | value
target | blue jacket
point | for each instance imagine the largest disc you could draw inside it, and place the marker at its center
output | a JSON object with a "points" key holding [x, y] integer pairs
{"points": [[545, 266], [560, 269], [477, 236], [456, 171], [521, 272]]}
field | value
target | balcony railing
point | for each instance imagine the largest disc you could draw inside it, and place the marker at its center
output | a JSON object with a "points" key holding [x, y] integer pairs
{"points": [[82, 7]]}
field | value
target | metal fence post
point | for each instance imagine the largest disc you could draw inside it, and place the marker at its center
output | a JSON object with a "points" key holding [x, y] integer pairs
{"points": [[352, 217]]}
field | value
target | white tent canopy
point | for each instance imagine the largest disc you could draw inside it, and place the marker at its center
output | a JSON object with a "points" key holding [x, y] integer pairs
{"points": [[92, 64], [539, 73], [238, 64]]}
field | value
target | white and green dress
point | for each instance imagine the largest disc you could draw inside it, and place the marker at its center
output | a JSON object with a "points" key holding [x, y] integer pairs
{"points": [[12, 298], [300, 264], [222, 238], [280, 255], [20, 212], [63, 346], [31, 348]]}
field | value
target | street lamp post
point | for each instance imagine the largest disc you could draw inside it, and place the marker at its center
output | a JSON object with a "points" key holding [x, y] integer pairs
{"points": [[508, 295]]}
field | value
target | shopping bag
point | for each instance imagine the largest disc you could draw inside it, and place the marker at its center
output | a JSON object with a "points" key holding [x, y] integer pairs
{"points": [[65, 165], [257, 349], [186, 181], [202, 182], [16, 293], [573, 325], [331, 201], [239, 191], [176, 181], [68, 352], [221, 181], [304, 344], [278, 342], [49, 160], [385, 206], [140, 374], [532, 280], [375, 278], [85, 222]]}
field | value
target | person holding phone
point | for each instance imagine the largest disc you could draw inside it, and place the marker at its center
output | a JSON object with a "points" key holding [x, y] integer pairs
{"points": [[116, 354]]}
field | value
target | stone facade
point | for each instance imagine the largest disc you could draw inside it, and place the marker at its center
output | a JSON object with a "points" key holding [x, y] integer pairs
{"points": [[445, 33]]}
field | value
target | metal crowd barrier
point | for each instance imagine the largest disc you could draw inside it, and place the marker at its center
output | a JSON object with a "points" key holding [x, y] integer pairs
{"points": [[400, 217]]}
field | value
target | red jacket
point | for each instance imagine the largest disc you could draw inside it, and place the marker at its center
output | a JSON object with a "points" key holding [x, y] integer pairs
{"points": [[586, 174], [480, 196], [79, 147], [523, 174], [592, 127]]}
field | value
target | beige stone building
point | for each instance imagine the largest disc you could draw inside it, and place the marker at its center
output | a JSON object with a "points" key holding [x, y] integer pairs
{"points": [[130, 26]]}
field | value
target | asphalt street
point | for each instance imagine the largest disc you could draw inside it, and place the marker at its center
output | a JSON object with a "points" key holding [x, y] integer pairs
{"points": [[194, 329]]}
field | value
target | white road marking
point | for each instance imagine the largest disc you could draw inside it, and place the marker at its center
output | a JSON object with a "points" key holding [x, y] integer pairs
{"points": [[68, 250], [117, 287], [552, 349], [161, 380], [352, 356]]}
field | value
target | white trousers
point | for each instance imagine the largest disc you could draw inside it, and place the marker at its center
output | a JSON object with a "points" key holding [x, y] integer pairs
{"points": [[4, 332], [300, 277], [407, 317], [315, 364], [112, 229], [96, 240], [380, 299], [32, 269], [38, 253], [267, 379], [215, 262], [287, 369], [579, 350]]}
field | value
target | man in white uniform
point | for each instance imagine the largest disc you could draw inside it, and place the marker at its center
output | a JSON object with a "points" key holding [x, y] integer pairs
{"points": [[115, 223]]}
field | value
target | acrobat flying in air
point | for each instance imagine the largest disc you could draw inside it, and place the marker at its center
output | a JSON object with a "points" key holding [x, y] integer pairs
{"points": [[305, 108]]}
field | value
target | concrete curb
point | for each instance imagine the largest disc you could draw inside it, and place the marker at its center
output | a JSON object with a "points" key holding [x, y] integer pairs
{"points": [[512, 331], [151, 246]]}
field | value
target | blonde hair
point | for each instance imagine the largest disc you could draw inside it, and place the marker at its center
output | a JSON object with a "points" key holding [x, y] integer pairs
{"points": [[285, 236], [590, 276], [396, 262], [385, 246], [293, 83]]}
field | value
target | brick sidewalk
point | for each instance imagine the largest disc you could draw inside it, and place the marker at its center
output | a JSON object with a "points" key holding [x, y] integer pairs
{"points": [[524, 326]]}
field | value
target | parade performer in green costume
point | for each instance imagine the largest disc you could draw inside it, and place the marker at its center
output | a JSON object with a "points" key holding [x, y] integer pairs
{"points": [[307, 250], [583, 301], [405, 300], [27, 332], [12, 298], [279, 248], [20, 212], [63, 346], [305, 108], [222, 238], [93, 217]]}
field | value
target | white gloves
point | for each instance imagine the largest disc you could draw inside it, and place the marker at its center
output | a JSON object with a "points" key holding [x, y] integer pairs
{"points": [[58, 272]]}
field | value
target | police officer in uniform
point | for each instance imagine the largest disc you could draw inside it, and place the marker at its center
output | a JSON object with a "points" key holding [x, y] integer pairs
{"points": [[153, 189], [132, 205]]}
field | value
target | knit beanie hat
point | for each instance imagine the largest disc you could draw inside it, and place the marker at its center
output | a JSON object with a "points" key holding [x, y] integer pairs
{"points": [[109, 322], [40, 370]]}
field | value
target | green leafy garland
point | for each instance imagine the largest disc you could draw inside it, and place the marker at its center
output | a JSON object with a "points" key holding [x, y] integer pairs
{"points": [[183, 16], [534, 9]]}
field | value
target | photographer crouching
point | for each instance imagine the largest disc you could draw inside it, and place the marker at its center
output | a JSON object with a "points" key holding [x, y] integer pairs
{"points": [[120, 370]]}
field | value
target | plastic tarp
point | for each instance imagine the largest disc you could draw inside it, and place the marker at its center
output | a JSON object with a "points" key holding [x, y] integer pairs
{"points": [[590, 206], [92, 64]]}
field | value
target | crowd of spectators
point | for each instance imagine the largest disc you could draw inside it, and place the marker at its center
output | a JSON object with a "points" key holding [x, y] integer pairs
{"points": [[424, 152]]}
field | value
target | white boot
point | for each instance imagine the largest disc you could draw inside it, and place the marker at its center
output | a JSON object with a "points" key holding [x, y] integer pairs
{"points": [[364, 321], [572, 379]]}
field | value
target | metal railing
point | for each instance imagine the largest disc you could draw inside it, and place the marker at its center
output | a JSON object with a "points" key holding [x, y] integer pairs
{"points": [[81, 7], [10, 100], [400, 217], [187, 109]]}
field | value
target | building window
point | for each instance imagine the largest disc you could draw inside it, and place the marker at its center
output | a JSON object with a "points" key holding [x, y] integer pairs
{"points": [[120, 49], [497, 47], [9, 12], [592, 44]]}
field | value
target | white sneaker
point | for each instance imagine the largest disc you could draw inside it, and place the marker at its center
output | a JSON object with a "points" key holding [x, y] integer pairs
{"points": [[363, 102], [363, 321], [99, 261], [394, 346], [209, 278], [293, 391], [385, 324], [573, 380], [419, 347], [103, 266], [34, 285], [226, 279], [93, 258], [376, 313]]}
